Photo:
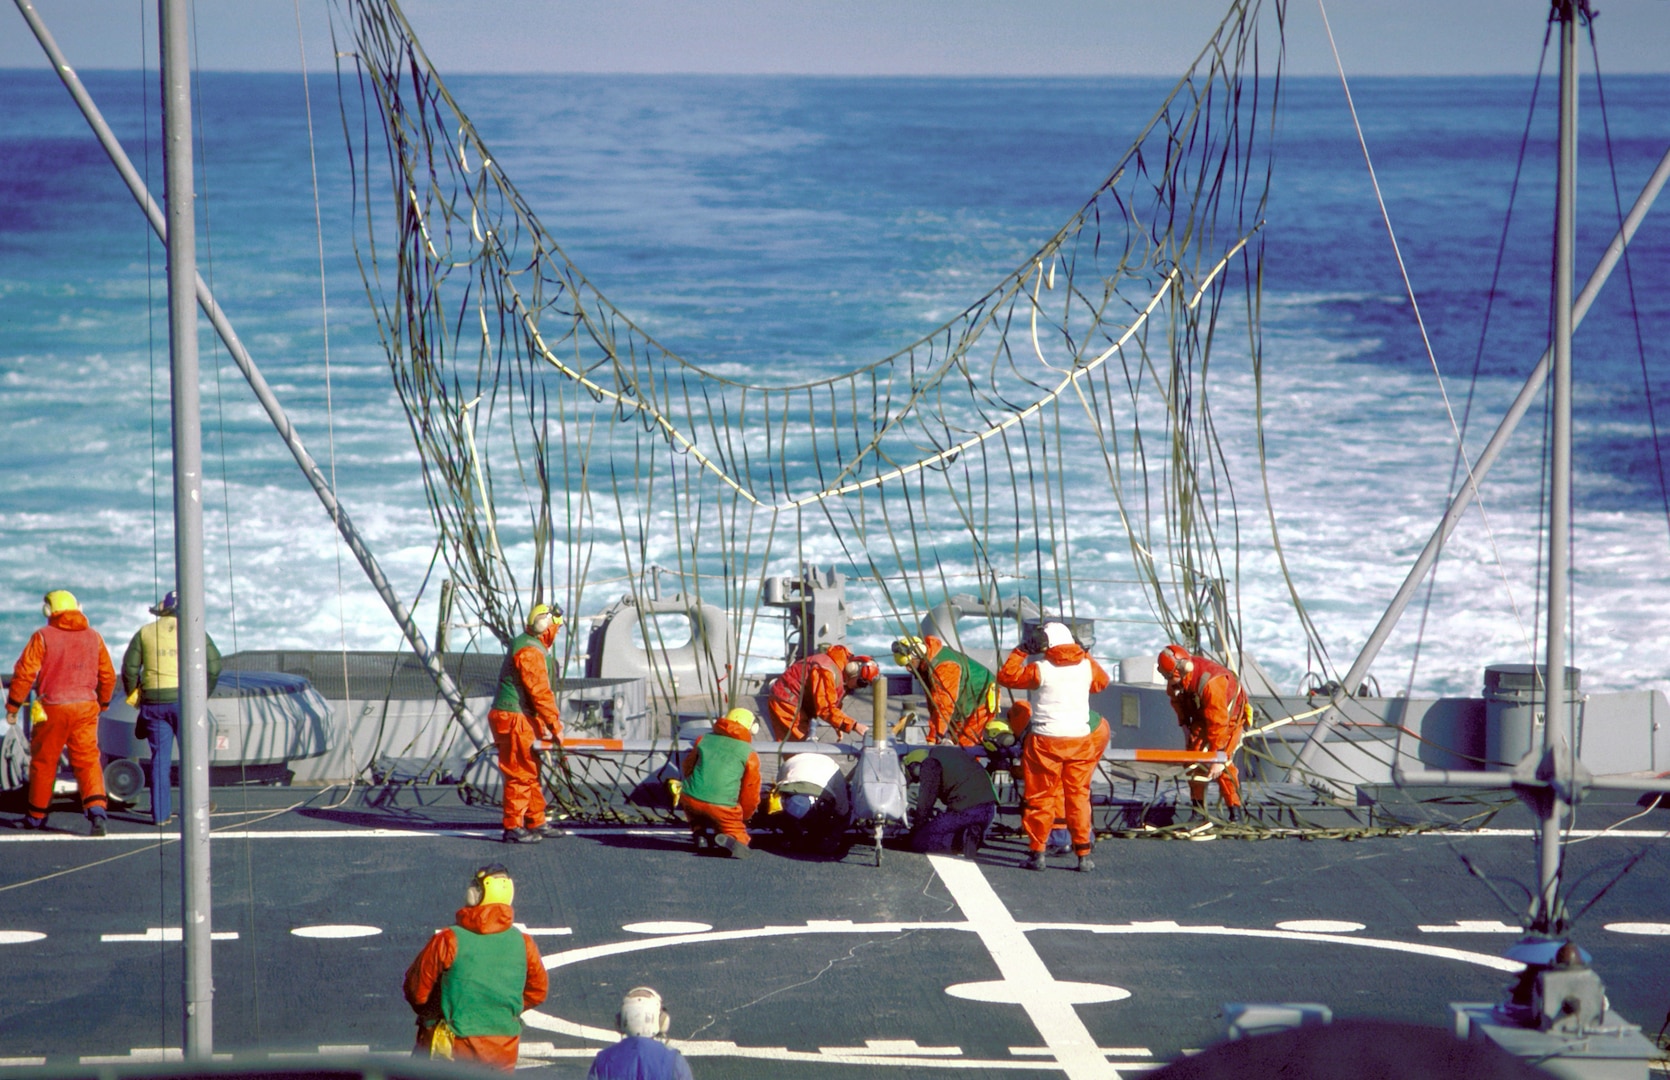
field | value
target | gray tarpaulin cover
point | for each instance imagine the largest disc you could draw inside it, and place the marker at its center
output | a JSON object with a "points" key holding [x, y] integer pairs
{"points": [[879, 790], [14, 757]]}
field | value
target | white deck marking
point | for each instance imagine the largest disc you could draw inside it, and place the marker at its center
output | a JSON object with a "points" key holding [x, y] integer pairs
{"points": [[19, 937], [543, 931], [21, 1062], [1003, 992], [1440, 952], [338, 930], [670, 927], [1047, 1004], [1471, 926], [138, 1053], [494, 833], [165, 933], [893, 1047], [1320, 926], [1110, 1051], [1650, 929], [543, 1021]]}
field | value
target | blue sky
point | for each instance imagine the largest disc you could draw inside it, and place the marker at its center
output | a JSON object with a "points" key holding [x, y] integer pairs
{"points": [[860, 37]]}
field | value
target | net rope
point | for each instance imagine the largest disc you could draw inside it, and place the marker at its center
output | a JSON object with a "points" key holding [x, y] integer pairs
{"points": [[564, 446]]}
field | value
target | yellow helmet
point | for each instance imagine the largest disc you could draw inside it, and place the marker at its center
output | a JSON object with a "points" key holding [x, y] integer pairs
{"points": [[744, 717], [491, 885], [908, 650], [998, 736], [915, 757], [542, 616], [58, 601]]}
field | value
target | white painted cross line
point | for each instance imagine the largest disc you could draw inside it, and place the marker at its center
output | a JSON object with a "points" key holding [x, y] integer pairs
{"points": [[21, 1062], [163, 934], [138, 1053], [1472, 926], [544, 931], [1047, 1005], [1110, 1051], [337, 930], [893, 1048], [20, 937]]}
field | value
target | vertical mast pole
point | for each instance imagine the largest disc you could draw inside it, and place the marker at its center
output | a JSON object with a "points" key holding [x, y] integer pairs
{"points": [[1555, 720], [188, 527]]}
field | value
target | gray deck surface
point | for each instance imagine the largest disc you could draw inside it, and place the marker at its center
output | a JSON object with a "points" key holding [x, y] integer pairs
{"points": [[825, 999]]}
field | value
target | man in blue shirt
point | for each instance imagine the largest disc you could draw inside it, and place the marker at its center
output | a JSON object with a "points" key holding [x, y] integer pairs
{"points": [[643, 1054]]}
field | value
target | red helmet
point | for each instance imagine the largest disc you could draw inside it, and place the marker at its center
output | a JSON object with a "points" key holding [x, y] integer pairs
{"points": [[1175, 662], [863, 670]]}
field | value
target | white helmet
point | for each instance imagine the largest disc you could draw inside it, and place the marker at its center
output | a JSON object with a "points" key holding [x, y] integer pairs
{"points": [[641, 1014]]}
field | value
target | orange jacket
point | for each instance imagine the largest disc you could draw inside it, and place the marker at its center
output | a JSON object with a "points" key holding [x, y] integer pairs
{"points": [[70, 677], [423, 977], [944, 683], [1212, 703], [818, 688], [1017, 674], [748, 798], [536, 682]]}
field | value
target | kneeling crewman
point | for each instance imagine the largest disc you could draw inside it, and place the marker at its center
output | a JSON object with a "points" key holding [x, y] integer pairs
{"points": [[950, 775], [721, 788]]}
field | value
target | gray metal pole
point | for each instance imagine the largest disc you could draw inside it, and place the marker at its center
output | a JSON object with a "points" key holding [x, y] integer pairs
{"points": [[263, 393], [1555, 711], [188, 528], [1493, 449]]}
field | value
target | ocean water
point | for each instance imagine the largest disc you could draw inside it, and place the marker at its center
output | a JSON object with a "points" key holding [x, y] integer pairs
{"points": [[776, 225]]}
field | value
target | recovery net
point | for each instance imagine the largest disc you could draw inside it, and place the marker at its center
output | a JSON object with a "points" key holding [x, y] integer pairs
{"points": [[564, 446]]}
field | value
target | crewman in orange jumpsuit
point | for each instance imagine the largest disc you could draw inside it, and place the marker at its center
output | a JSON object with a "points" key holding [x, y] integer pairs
{"points": [[68, 667], [472, 981], [721, 787], [962, 694], [1064, 738], [813, 689], [524, 710], [1211, 705]]}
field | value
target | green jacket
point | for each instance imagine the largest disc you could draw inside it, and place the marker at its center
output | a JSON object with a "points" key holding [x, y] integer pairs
{"points": [[152, 662]]}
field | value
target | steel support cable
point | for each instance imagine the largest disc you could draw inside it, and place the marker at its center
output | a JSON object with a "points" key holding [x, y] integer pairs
{"points": [[1478, 357], [1420, 322], [1629, 280]]}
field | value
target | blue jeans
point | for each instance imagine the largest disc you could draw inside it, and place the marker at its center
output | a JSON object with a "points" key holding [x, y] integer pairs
{"points": [[163, 724], [940, 832]]}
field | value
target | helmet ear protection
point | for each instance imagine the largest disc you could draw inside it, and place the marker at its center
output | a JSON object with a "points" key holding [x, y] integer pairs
{"points": [[862, 670], [908, 650], [491, 885], [1175, 662], [57, 601], [542, 617], [642, 1014]]}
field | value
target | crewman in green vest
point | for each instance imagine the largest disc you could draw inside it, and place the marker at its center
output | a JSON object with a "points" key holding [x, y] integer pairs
{"points": [[949, 775], [721, 788], [472, 981], [962, 693], [151, 680], [524, 710]]}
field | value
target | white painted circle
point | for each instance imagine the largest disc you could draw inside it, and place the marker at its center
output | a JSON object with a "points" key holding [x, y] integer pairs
{"points": [[337, 931], [1003, 992], [1648, 929], [670, 927], [19, 937], [1319, 926]]}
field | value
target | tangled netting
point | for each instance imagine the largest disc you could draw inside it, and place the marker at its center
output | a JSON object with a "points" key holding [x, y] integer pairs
{"points": [[527, 388], [561, 442]]}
